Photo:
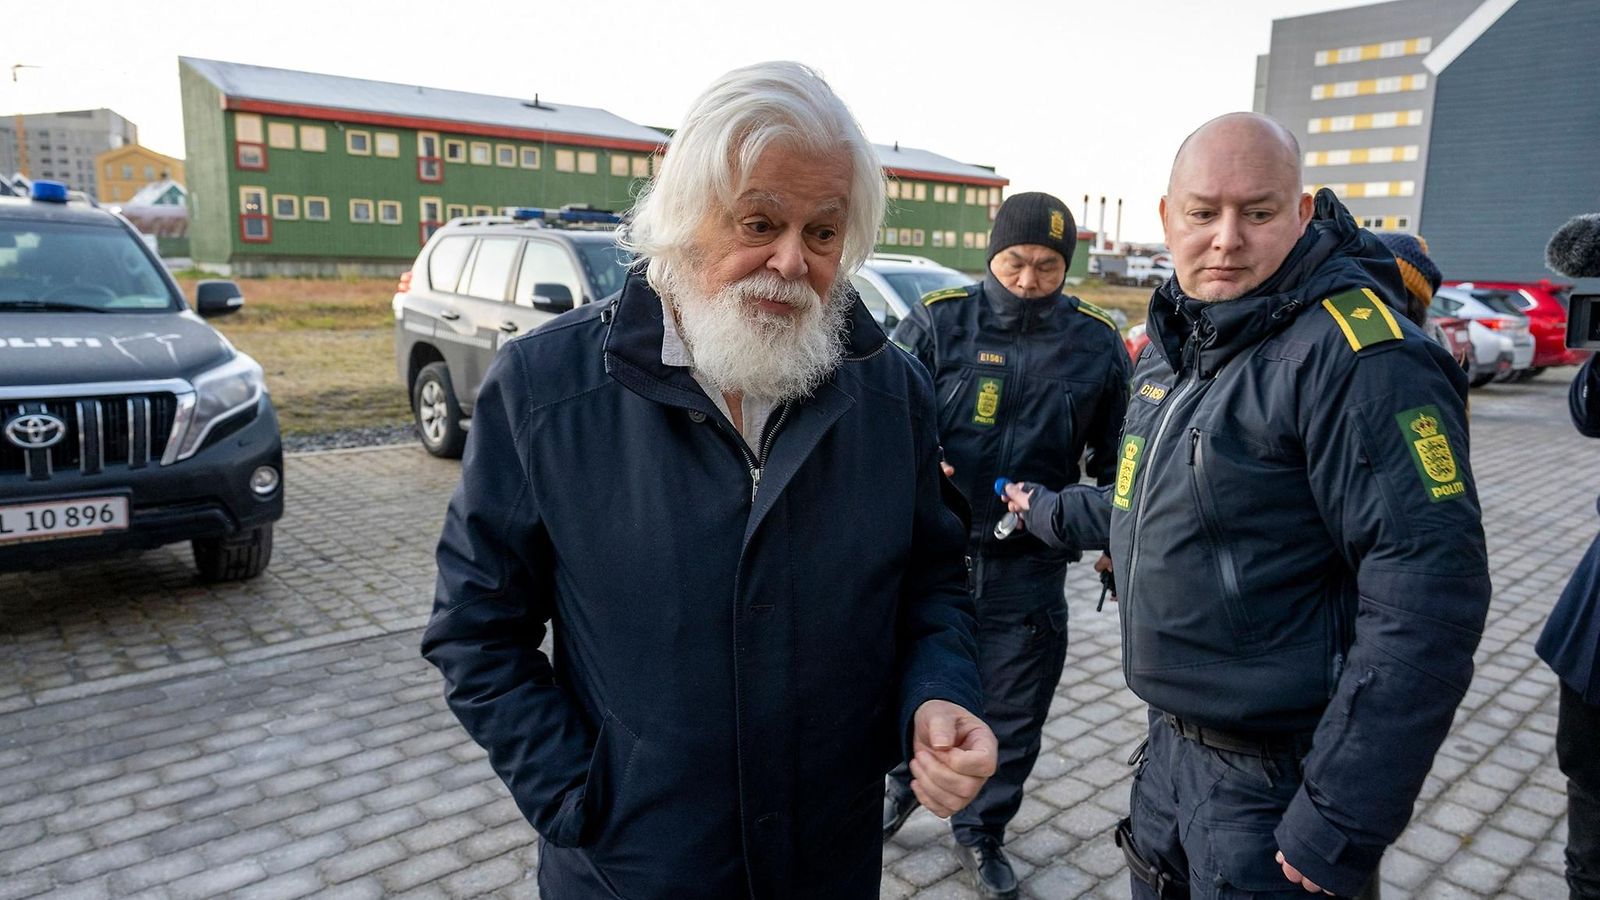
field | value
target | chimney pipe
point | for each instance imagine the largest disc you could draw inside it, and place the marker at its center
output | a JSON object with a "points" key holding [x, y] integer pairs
{"points": [[1102, 228], [1119, 220], [1085, 218]]}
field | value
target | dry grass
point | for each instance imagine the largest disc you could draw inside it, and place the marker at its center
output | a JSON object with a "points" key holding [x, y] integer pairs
{"points": [[327, 346]]}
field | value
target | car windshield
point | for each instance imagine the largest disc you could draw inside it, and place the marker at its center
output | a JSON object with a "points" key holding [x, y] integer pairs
{"points": [[913, 285], [61, 265], [1502, 302], [606, 263]]}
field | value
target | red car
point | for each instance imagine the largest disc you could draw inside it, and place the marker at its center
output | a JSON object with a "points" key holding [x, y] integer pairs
{"points": [[1544, 302]]}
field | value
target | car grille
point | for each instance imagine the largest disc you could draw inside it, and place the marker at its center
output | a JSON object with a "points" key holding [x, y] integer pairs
{"points": [[128, 432]]}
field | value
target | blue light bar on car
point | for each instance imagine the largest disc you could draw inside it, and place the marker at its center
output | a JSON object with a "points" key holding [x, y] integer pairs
{"points": [[50, 191], [586, 215], [524, 213]]}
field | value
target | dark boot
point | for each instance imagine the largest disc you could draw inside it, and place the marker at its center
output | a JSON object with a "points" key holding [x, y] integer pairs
{"points": [[897, 808], [990, 869]]}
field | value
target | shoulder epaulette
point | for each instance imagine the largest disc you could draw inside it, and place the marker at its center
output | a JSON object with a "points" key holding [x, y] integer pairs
{"points": [[1095, 312], [930, 299], [1363, 317]]}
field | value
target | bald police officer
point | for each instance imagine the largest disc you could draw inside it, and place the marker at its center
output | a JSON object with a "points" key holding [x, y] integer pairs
{"points": [[1029, 382], [1298, 543]]}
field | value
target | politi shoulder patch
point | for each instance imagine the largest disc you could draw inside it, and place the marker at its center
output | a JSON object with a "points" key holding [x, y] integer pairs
{"points": [[1096, 313], [1430, 450], [1363, 317], [946, 294]]}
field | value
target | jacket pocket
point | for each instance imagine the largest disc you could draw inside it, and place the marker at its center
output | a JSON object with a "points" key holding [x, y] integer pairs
{"points": [[1227, 566], [949, 399], [609, 767]]}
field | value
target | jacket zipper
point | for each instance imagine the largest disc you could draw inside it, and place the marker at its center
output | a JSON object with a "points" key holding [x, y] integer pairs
{"points": [[757, 463], [1150, 449], [1205, 502]]}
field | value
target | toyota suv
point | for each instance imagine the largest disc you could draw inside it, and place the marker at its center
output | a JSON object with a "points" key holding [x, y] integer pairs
{"points": [[126, 422], [481, 281]]}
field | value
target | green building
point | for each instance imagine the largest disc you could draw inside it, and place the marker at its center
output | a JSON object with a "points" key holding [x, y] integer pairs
{"points": [[938, 208], [301, 173]]}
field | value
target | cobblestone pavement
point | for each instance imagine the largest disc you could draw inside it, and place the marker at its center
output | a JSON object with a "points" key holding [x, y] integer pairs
{"points": [[283, 739]]}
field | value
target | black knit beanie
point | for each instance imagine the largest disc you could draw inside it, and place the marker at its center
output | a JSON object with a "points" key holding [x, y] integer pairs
{"points": [[1034, 218]]}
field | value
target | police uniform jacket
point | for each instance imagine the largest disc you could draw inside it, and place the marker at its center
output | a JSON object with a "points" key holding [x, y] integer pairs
{"points": [[1570, 640], [1026, 388], [732, 673], [1297, 537]]}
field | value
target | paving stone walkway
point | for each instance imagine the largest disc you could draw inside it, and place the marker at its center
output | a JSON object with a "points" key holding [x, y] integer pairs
{"points": [[283, 738]]}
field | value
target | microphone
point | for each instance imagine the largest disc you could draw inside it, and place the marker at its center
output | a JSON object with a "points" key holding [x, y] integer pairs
{"points": [[1574, 250]]}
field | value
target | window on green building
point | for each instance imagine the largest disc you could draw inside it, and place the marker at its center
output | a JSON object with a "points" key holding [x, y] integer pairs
{"points": [[641, 167], [358, 143], [530, 157], [482, 153], [386, 144], [455, 150], [316, 209], [280, 135], [454, 210], [285, 206], [505, 155], [922, 191], [389, 212], [361, 211], [313, 138], [247, 128], [566, 161], [619, 165], [588, 163]]}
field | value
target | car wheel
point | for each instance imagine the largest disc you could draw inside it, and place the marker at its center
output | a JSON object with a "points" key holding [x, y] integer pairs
{"points": [[233, 559], [1533, 373], [1481, 380], [433, 400]]}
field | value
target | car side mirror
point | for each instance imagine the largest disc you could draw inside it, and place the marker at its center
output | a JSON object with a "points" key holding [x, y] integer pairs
{"points": [[217, 298], [552, 297]]}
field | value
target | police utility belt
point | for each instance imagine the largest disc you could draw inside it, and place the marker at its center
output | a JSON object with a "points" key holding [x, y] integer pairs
{"points": [[1262, 744]]}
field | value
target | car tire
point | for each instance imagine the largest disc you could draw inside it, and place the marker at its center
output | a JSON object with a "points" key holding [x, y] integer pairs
{"points": [[1479, 381], [238, 558], [1535, 372], [438, 415]]}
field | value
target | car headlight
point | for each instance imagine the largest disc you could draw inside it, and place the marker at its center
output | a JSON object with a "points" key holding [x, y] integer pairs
{"points": [[218, 393]]}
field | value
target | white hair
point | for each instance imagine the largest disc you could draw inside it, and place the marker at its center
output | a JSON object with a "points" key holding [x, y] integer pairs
{"points": [[741, 115]]}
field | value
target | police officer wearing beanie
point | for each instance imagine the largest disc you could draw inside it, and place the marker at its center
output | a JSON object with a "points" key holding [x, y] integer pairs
{"points": [[1029, 382]]}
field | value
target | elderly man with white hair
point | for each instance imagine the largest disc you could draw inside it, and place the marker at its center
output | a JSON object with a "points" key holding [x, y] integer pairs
{"points": [[721, 490]]}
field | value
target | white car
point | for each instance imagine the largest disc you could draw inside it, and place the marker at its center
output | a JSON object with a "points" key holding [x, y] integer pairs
{"points": [[891, 283], [1501, 340]]}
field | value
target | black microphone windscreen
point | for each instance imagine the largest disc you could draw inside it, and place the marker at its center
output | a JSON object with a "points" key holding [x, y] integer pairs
{"points": [[1574, 250]]}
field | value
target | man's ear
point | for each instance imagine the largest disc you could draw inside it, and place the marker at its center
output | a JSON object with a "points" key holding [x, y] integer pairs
{"points": [[1162, 209], [1308, 206]]}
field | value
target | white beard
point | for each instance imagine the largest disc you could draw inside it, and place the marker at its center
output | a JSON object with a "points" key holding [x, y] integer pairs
{"points": [[773, 357]]}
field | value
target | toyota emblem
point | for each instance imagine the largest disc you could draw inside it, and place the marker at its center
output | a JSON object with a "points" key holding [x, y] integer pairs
{"points": [[35, 431]]}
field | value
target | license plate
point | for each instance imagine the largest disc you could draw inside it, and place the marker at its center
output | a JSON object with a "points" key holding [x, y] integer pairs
{"points": [[50, 519]]}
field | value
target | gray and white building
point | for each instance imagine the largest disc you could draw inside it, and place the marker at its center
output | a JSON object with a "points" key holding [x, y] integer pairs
{"points": [[1352, 87], [1516, 136], [61, 146]]}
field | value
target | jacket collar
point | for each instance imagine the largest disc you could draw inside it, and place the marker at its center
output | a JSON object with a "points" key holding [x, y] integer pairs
{"points": [[1012, 313], [1333, 255]]}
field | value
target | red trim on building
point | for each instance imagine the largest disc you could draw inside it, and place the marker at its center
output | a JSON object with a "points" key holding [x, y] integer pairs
{"points": [[246, 237], [420, 124], [238, 162], [425, 230], [995, 181]]}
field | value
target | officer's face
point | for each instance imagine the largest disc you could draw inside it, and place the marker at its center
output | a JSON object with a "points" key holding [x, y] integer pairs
{"points": [[1030, 271], [788, 220], [1234, 209]]}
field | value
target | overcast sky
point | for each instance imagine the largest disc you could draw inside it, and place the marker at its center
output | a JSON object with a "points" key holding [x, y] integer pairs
{"points": [[1070, 97]]}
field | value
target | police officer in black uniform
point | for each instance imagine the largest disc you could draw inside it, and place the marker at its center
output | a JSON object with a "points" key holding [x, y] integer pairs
{"points": [[1028, 380], [1297, 539]]}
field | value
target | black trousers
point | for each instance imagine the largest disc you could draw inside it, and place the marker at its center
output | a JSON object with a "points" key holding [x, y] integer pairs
{"points": [[1022, 647], [1578, 754]]}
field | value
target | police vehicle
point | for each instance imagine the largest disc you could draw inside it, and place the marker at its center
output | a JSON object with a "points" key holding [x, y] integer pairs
{"points": [[126, 422], [480, 281]]}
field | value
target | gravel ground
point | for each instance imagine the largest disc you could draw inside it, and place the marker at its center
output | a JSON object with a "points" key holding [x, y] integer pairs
{"points": [[370, 436]]}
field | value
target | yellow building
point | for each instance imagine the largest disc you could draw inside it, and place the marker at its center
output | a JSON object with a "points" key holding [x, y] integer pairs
{"points": [[124, 170]]}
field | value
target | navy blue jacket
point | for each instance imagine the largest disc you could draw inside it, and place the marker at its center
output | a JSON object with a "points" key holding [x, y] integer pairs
{"points": [[1570, 641], [731, 677], [1296, 534], [1055, 372]]}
